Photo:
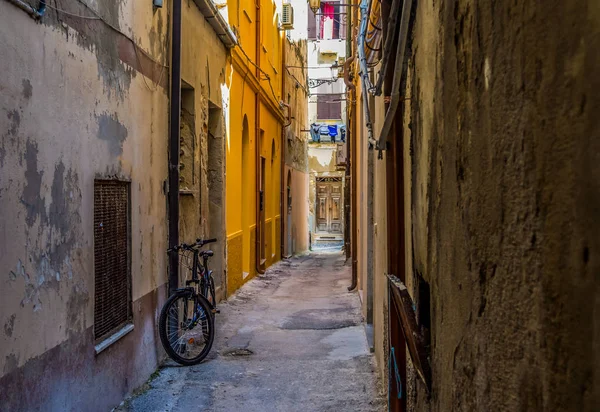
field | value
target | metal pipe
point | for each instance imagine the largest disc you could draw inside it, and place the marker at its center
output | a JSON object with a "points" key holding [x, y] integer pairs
{"points": [[364, 71], [362, 32], [347, 65], [398, 71], [174, 136], [257, 145], [351, 131], [282, 161], [260, 196], [29, 9], [347, 191]]}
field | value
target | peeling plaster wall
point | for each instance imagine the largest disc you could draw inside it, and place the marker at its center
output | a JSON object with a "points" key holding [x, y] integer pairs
{"points": [[501, 116], [204, 70], [74, 106]]}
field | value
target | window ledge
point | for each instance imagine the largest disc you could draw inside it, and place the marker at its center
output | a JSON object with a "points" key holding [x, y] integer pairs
{"points": [[113, 338]]}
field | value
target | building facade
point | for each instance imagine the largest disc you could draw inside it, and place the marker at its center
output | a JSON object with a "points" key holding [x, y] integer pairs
{"points": [[83, 166], [327, 32], [476, 194], [295, 172], [257, 117]]}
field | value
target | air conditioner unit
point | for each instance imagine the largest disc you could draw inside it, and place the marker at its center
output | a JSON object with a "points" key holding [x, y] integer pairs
{"points": [[287, 17]]}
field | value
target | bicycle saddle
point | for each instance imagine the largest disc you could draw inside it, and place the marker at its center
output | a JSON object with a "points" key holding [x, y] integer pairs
{"points": [[207, 252]]}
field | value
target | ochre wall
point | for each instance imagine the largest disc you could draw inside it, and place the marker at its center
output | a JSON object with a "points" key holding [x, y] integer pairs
{"points": [[244, 87]]}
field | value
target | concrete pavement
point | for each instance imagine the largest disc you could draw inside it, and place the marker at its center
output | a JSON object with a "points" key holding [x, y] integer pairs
{"points": [[290, 340]]}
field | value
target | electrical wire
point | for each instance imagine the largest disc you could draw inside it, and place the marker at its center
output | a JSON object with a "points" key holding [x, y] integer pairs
{"points": [[267, 77], [297, 81], [72, 14]]}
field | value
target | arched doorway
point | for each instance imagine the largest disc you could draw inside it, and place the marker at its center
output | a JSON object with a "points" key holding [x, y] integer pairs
{"points": [[245, 178]]}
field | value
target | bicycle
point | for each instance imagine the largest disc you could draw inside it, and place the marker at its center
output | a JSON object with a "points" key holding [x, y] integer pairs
{"points": [[190, 307]]}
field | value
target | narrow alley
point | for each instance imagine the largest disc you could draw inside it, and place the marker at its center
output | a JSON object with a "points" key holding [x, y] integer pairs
{"points": [[290, 339], [394, 204]]}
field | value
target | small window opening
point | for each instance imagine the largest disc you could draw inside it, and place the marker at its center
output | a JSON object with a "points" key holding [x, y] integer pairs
{"points": [[112, 264]]}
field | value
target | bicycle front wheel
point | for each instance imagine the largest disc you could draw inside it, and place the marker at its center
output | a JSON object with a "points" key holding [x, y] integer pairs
{"points": [[186, 328]]}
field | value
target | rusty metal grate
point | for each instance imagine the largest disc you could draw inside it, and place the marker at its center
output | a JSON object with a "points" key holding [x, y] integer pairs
{"points": [[112, 296]]}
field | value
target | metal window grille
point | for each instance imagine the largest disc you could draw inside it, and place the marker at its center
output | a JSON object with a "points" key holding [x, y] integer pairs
{"points": [[112, 295]]}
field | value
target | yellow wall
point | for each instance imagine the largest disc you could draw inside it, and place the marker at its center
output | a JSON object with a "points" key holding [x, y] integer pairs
{"points": [[245, 87]]}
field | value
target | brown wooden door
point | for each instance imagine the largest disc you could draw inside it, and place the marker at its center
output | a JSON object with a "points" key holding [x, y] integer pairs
{"points": [[329, 204], [263, 199]]}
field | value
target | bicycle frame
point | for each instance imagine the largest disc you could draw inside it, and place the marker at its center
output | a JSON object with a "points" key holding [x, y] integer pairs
{"points": [[202, 270]]}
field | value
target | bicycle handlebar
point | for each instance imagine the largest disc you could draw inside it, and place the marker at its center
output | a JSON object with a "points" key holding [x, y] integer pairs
{"points": [[207, 241], [185, 246]]}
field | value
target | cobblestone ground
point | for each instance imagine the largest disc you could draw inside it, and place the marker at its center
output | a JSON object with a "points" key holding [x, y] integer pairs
{"points": [[289, 340]]}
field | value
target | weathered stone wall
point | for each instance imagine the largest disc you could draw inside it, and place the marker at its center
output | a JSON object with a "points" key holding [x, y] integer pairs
{"points": [[501, 115], [79, 101], [203, 72]]}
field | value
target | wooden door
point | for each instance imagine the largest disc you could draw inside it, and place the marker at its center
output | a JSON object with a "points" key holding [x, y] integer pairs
{"points": [[329, 204], [263, 198]]}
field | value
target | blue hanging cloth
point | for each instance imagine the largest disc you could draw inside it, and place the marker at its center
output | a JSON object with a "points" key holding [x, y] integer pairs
{"points": [[332, 130]]}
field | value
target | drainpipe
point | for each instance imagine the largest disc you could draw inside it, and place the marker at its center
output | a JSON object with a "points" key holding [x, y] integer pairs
{"points": [[351, 130], [282, 170], [259, 193], [347, 64], [364, 71], [257, 145], [174, 136], [282, 155]]}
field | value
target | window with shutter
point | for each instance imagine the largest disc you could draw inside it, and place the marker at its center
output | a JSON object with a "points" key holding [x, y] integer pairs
{"points": [[322, 107], [335, 107], [329, 107]]}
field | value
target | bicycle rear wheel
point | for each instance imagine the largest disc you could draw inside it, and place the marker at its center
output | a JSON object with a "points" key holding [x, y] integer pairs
{"points": [[186, 328]]}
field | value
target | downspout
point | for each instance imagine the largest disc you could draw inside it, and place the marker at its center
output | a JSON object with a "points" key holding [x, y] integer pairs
{"points": [[257, 145], [398, 71], [352, 159], [347, 64], [364, 71], [260, 200], [174, 136], [32, 11]]}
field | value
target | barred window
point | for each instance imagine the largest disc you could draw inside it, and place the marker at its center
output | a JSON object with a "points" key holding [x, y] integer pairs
{"points": [[112, 265]]}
